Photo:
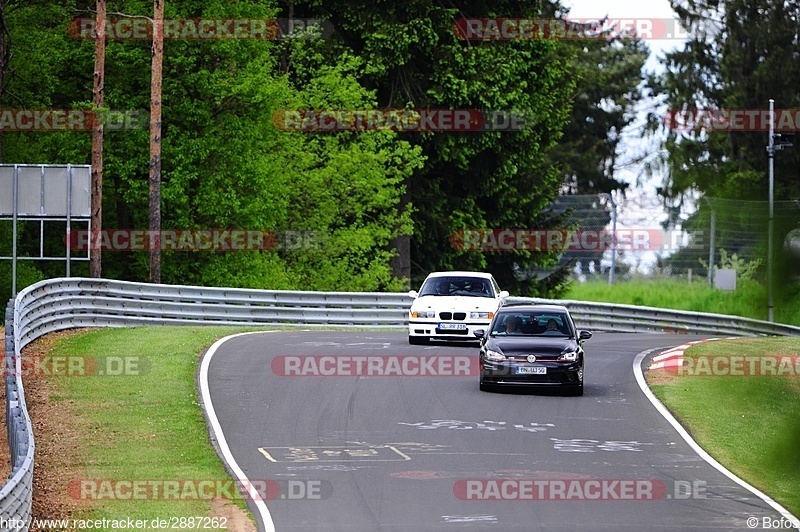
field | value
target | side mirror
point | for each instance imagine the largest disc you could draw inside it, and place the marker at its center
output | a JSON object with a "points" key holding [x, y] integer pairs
{"points": [[503, 294], [584, 335], [480, 333], [413, 293]]}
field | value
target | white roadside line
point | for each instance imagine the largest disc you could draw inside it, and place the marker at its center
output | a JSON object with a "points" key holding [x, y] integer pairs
{"points": [[205, 397], [637, 371]]}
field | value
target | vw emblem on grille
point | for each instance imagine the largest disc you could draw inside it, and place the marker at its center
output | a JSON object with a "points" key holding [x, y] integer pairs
{"points": [[531, 358]]}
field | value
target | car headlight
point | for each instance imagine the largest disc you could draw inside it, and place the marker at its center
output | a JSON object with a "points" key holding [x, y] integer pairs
{"points": [[423, 314], [569, 356], [494, 356], [481, 315]]}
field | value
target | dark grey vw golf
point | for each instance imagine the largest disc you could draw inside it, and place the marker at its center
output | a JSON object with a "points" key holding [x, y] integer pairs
{"points": [[532, 346]]}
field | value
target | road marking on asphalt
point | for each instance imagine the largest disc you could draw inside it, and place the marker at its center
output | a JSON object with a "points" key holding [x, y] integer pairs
{"points": [[321, 344], [326, 467], [406, 447], [384, 453], [613, 401], [384, 345], [455, 424], [590, 446], [470, 518]]}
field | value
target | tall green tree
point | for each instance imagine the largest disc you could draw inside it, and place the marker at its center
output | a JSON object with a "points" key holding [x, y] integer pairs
{"points": [[740, 54], [414, 59]]}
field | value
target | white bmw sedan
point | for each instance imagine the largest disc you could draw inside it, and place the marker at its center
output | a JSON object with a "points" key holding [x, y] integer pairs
{"points": [[452, 305]]}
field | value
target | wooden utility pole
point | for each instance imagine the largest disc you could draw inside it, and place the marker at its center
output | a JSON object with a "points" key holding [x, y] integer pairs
{"points": [[155, 141], [98, 98]]}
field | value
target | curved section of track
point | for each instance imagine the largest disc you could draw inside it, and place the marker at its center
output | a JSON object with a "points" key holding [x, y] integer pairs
{"points": [[386, 448]]}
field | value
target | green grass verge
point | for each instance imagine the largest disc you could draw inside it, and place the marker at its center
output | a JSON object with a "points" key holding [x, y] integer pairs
{"points": [[750, 424], [147, 426], [748, 300]]}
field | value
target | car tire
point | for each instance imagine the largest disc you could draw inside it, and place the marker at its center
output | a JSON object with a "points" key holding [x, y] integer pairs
{"points": [[417, 340], [485, 387], [577, 391]]}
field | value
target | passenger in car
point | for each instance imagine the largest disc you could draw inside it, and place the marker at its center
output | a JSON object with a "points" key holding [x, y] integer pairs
{"points": [[486, 289]]}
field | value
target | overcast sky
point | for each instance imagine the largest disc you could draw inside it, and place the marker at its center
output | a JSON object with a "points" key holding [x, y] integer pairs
{"points": [[627, 9]]}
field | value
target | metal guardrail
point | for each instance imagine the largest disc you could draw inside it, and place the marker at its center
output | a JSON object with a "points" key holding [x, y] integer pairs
{"points": [[614, 317], [66, 303], [17, 492]]}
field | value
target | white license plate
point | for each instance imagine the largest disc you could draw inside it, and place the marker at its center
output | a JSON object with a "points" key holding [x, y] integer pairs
{"points": [[453, 326], [534, 370]]}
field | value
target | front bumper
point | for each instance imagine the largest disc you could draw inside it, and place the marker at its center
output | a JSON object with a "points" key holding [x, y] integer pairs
{"points": [[505, 373], [429, 328]]}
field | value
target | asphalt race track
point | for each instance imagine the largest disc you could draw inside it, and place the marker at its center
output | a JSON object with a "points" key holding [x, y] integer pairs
{"points": [[427, 452]]}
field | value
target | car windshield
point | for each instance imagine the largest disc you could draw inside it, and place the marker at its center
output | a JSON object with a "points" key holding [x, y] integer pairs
{"points": [[530, 323], [457, 286]]}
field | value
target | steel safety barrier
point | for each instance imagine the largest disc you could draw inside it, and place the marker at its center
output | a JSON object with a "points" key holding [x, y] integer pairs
{"points": [[65, 303], [16, 495]]}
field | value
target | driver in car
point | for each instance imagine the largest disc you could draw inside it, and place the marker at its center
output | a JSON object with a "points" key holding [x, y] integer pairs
{"points": [[513, 325]]}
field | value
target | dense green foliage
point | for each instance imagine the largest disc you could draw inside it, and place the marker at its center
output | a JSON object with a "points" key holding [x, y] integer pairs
{"points": [[225, 165], [361, 194]]}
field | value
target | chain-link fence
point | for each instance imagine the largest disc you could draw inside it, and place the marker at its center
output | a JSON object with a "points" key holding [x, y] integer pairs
{"points": [[616, 238]]}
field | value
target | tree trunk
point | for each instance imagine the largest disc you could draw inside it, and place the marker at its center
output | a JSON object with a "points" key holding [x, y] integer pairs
{"points": [[155, 141], [98, 99], [5, 58], [401, 263]]}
